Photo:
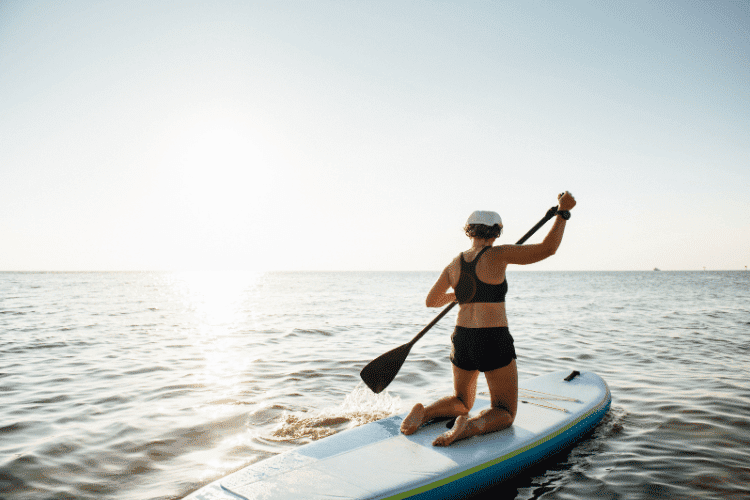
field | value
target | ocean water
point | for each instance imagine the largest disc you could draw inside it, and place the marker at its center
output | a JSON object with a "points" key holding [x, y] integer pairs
{"points": [[149, 385]]}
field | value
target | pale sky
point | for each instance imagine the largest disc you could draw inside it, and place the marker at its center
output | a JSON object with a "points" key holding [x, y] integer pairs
{"points": [[359, 135]]}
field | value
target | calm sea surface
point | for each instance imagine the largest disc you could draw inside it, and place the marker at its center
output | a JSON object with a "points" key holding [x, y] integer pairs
{"points": [[150, 385]]}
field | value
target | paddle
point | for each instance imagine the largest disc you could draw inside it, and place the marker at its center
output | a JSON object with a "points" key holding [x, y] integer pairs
{"points": [[382, 370]]}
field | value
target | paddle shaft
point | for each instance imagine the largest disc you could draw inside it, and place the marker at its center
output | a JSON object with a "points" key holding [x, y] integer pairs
{"points": [[550, 213]]}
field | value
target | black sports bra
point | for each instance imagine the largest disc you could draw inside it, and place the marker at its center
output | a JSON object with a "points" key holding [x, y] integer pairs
{"points": [[470, 289]]}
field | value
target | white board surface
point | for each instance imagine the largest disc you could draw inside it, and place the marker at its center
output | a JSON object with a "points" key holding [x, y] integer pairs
{"points": [[377, 461]]}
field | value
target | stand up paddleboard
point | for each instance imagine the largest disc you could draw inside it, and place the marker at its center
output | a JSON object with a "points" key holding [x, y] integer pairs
{"points": [[376, 461]]}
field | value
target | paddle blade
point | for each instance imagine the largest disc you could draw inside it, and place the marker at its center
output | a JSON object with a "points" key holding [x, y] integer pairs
{"points": [[382, 370]]}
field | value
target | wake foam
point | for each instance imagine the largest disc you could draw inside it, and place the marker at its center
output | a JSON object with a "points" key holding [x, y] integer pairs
{"points": [[360, 407]]}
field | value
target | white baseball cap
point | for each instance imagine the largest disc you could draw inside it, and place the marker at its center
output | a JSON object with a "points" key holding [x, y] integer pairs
{"points": [[486, 217]]}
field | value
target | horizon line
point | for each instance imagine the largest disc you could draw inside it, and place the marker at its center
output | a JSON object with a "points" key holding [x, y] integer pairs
{"points": [[57, 271]]}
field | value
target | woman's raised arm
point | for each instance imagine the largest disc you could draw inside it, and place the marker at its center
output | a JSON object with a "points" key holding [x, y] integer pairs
{"points": [[529, 254]]}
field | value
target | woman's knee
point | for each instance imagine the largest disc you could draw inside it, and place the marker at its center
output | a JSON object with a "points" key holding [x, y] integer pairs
{"points": [[466, 401], [465, 387]]}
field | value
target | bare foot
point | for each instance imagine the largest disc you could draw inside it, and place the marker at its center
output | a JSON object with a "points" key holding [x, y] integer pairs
{"points": [[458, 428], [413, 420]]}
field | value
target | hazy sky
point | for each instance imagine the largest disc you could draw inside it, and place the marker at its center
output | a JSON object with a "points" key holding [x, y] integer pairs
{"points": [[353, 135]]}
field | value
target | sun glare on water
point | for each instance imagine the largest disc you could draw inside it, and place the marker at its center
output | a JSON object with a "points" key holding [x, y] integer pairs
{"points": [[217, 300], [216, 297]]}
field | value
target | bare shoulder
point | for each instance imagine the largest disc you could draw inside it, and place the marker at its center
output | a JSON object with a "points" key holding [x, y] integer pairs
{"points": [[499, 253]]}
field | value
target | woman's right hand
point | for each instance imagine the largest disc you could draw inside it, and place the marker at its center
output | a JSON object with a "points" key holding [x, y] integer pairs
{"points": [[565, 201]]}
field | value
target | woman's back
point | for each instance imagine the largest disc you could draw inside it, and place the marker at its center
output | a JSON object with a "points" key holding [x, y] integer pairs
{"points": [[477, 273]]}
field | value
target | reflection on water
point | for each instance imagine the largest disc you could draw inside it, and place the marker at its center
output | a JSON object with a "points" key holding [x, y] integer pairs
{"points": [[216, 302], [215, 297]]}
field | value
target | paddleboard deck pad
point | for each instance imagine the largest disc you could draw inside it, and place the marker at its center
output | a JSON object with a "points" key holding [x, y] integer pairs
{"points": [[376, 461]]}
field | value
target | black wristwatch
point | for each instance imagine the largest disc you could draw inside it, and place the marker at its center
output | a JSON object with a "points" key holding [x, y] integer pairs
{"points": [[565, 214]]}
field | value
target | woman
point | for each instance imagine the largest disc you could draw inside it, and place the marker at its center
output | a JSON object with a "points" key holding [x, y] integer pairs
{"points": [[481, 340]]}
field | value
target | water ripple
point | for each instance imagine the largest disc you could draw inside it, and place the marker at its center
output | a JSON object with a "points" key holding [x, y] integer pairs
{"points": [[148, 385]]}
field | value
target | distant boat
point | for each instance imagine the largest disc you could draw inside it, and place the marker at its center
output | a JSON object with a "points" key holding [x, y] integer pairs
{"points": [[657, 269]]}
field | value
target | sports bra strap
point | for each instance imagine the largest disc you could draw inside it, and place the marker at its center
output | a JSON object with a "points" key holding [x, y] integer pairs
{"points": [[474, 262]]}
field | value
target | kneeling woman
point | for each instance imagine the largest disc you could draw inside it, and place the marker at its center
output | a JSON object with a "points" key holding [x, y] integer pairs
{"points": [[481, 340]]}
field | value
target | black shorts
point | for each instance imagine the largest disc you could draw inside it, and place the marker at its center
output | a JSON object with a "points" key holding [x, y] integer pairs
{"points": [[482, 349]]}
